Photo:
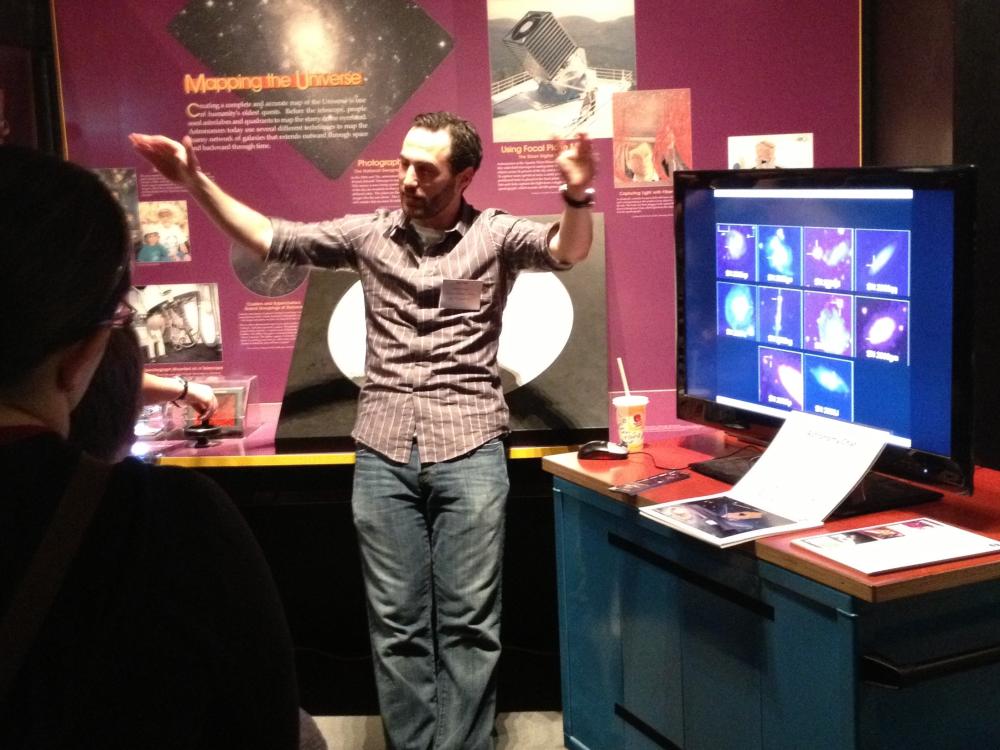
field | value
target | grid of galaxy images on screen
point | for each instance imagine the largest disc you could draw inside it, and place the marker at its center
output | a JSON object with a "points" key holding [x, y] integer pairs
{"points": [[815, 300]]}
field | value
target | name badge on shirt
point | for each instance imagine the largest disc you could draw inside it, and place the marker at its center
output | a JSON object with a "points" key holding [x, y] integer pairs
{"points": [[461, 294]]}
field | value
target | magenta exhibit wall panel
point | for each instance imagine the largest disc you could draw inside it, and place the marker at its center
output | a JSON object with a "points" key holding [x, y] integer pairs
{"points": [[298, 107]]}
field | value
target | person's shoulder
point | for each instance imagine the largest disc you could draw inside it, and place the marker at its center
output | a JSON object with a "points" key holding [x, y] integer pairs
{"points": [[503, 224], [182, 509], [174, 494], [379, 214], [494, 218], [378, 220], [391, 215], [500, 215]]}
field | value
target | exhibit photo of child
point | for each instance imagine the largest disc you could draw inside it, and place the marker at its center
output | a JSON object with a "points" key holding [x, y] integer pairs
{"points": [[168, 220], [639, 163], [152, 250]]}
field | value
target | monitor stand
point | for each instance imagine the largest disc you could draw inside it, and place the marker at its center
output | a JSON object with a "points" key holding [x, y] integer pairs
{"points": [[875, 492]]}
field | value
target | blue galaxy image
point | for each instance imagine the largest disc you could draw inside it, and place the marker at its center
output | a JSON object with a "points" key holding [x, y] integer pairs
{"points": [[829, 323], [883, 261], [780, 382], [829, 380], [780, 254], [828, 258], [737, 308], [780, 318], [735, 251], [884, 329], [829, 386]]}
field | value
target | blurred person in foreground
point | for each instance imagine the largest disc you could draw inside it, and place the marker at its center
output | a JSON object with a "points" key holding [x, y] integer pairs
{"points": [[166, 630], [103, 423]]}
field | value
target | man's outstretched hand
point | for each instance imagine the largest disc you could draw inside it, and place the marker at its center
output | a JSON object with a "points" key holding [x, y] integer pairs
{"points": [[575, 161], [174, 160]]}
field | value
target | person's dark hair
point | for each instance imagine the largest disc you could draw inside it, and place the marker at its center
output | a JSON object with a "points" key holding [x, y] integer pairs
{"points": [[466, 147], [103, 423], [64, 248]]}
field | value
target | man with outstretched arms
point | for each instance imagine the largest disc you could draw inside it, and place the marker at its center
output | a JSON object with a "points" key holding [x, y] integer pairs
{"points": [[430, 480]]}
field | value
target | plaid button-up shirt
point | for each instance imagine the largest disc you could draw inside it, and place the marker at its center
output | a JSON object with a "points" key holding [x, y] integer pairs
{"points": [[431, 370]]}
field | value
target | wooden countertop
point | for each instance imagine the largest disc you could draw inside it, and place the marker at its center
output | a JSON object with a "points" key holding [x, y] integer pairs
{"points": [[979, 513], [257, 449]]}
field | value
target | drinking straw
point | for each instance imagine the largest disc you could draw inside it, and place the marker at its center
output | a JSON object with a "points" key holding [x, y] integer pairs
{"points": [[621, 369]]}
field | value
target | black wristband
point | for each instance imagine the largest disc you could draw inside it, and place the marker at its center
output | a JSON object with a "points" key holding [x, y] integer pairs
{"points": [[572, 202], [184, 390]]}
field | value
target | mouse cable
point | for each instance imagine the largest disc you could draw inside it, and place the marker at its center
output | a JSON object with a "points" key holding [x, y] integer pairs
{"points": [[652, 459], [731, 454]]}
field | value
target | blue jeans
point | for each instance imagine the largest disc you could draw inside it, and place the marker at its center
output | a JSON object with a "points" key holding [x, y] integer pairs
{"points": [[431, 538]]}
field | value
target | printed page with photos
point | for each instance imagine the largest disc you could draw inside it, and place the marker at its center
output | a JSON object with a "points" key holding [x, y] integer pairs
{"points": [[809, 468], [904, 544]]}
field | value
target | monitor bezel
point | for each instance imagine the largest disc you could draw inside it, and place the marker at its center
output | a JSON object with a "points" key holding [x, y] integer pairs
{"points": [[954, 472]]}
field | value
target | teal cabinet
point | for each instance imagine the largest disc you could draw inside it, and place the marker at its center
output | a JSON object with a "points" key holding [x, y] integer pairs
{"points": [[667, 642], [659, 638], [651, 649], [588, 580]]}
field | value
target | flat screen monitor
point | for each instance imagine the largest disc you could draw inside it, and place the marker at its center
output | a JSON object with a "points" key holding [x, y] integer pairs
{"points": [[845, 293]]}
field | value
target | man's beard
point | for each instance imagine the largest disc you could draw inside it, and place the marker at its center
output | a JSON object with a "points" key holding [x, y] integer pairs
{"points": [[421, 207]]}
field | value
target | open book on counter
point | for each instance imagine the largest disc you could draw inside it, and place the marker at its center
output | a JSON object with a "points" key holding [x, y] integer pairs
{"points": [[809, 468], [904, 544]]}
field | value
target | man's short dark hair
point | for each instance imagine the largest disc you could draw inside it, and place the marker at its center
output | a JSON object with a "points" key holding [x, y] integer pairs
{"points": [[466, 147]]}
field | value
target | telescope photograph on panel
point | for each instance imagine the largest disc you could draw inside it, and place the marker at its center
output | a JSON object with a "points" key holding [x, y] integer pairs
{"points": [[555, 71]]}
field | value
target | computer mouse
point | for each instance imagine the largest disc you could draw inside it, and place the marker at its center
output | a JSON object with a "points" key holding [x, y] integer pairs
{"points": [[602, 449]]}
